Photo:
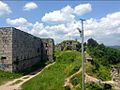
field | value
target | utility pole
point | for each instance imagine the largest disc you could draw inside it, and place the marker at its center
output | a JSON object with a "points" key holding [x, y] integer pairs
{"points": [[82, 35]]}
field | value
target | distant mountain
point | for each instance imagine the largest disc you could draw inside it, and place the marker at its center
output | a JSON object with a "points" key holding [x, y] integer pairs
{"points": [[115, 46]]}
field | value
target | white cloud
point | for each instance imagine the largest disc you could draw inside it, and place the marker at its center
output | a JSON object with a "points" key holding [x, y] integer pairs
{"points": [[82, 9], [4, 8], [57, 16], [67, 10], [30, 6], [53, 16], [105, 29], [19, 23], [66, 14], [37, 29], [63, 15]]}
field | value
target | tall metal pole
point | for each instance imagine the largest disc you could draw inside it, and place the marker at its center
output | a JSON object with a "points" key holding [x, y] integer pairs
{"points": [[82, 35], [83, 75]]}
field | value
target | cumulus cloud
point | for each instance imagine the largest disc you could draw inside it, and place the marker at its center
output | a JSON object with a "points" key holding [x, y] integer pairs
{"points": [[105, 30], [30, 6], [4, 8], [20, 23], [59, 15], [66, 14], [82, 9], [53, 16], [39, 30]]}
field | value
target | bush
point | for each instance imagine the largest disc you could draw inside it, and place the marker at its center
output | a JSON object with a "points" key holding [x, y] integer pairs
{"points": [[92, 86], [67, 88], [75, 80]]}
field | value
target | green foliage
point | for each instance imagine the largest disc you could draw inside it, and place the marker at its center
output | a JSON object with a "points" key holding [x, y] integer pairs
{"points": [[92, 86], [92, 43], [103, 73], [103, 58], [107, 55], [67, 88], [52, 78], [76, 79], [49, 62]]}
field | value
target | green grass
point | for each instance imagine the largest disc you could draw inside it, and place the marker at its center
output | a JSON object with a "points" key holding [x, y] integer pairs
{"points": [[52, 78], [75, 80], [6, 76], [67, 63]]}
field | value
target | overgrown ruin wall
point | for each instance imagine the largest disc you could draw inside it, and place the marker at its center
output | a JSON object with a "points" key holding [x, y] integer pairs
{"points": [[22, 50]]}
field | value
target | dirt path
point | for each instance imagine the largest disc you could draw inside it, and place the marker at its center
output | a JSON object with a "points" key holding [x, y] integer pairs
{"points": [[90, 79], [67, 80], [100, 82], [16, 83]]}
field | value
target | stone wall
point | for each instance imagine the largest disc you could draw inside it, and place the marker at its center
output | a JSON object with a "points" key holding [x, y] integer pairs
{"points": [[47, 49], [115, 72], [20, 50], [26, 50], [68, 45], [6, 49]]}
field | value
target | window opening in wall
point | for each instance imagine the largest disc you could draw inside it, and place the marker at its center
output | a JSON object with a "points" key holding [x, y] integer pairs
{"points": [[3, 58], [42, 45], [46, 44], [45, 51]]}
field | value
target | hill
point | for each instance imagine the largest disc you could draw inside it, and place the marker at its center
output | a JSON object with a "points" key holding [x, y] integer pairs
{"points": [[116, 46], [65, 73], [67, 63]]}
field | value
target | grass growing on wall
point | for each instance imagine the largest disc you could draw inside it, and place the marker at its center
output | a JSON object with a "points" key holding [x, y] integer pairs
{"points": [[52, 78]]}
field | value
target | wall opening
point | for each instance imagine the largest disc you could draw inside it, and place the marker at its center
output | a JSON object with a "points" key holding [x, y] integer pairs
{"points": [[3, 58]]}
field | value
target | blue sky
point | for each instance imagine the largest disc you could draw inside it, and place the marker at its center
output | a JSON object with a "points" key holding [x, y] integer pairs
{"points": [[39, 19]]}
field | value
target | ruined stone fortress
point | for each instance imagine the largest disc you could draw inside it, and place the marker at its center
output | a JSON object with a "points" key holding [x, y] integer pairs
{"points": [[20, 50]]}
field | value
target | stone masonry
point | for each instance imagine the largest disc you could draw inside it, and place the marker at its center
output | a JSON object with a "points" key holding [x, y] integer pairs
{"points": [[20, 50], [69, 45], [115, 72]]}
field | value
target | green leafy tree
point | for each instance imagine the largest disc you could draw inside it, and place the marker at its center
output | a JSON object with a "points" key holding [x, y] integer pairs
{"points": [[92, 43]]}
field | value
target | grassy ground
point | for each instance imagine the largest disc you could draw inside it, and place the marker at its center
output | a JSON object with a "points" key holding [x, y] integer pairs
{"points": [[67, 63], [6, 76]]}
